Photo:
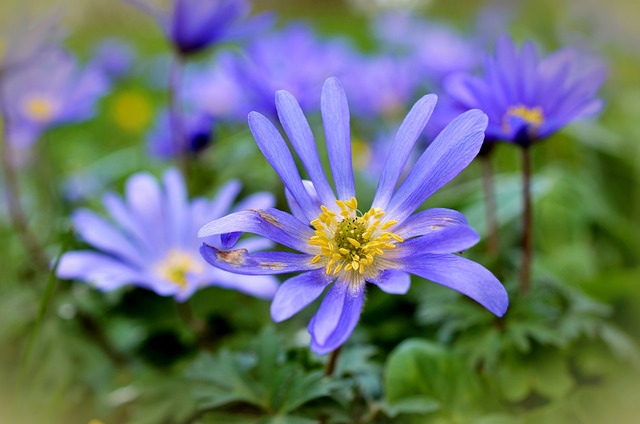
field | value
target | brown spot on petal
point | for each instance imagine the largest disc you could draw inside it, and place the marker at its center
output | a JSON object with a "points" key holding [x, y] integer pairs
{"points": [[276, 266], [233, 257], [267, 217]]}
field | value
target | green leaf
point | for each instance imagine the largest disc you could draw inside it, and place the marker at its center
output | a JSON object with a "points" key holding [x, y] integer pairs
{"points": [[410, 405]]}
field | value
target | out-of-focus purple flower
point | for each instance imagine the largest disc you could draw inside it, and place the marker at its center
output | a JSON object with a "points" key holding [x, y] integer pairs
{"points": [[527, 98], [294, 59], [150, 240], [114, 57], [380, 85], [437, 49], [50, 92], [197, 128], [342, 248], [215, 90], [193, 25]]}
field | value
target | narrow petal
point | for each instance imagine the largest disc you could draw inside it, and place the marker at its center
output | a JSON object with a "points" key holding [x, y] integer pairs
{"points": [[262, 286], [350, 306], [452, 150], [271, 223], [335, 119], [105, 236], [275, 150], [451, 239], [127, 221], [176, 206], [293, 205], [462, 275], [222, 202], [429, 220], [297, 128], [406, 138], [144, 198], [393, 281], [298, 292], [102, 271], [240, 261]]}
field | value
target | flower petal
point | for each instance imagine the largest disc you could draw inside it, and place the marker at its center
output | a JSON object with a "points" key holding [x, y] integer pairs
{"points": [[406, 138], [297, 128], [144, 198], [293, 205], [429, 220], [262, 286], [462, 275], [393, 281], [452, 150], [298, 292], [240, 261], [450, 239], [271, 223], [336, 318], [102, 271], [335, 119], [176, 206], [275, 150]]}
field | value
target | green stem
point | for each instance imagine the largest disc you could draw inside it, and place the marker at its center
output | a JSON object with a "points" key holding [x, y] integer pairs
{"points": [[527, 238]]}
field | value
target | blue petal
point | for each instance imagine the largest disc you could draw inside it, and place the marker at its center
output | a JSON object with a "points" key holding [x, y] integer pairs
{"points": [[144, 198], [240, 261], [406, 138], [335, 119], [177, 209], [452, 150], [102, 271], [428, 221], [293, 205], [330, 332], [126, 220], [449, 239], [222, 202], [393, 281], [262, 286], [275, 150], [271, 223], [298, 292], [297, 128], [462, 275], [104, 236]]}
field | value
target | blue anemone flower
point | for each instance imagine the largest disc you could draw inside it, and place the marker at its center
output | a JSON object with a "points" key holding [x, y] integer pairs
{"points": [[50, 92], [193, 25], [151, 241], [342, 247], [526, 98], [197, 127]]}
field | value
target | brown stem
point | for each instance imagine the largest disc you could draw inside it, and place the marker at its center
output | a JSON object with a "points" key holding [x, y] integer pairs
{"points": [[493, 245], [333, 360], [527, 239], [12, 192]]}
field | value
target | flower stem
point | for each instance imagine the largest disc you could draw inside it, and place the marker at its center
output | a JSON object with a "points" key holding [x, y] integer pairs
{"points": [[333, 360], [490, 206], [175, 114], [18, 218], [527, 239]]}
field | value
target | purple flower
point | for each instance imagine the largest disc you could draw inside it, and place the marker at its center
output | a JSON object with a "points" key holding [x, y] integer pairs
{"points": [[197, 127], [342, 248], [294, 59], [193, 25], [114, 57], [526, 98], [50, 92], [151, 240]]}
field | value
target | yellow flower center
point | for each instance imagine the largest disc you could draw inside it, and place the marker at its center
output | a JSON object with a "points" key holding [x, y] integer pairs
{"points": [[39, 109], [351, 242], [176, 266], [532, 116]]}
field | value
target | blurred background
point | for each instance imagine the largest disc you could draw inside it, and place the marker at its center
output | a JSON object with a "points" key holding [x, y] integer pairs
{"points": [[566, 352]]}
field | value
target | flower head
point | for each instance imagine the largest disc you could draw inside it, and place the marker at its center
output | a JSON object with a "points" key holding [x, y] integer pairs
{"points": [[343, 245], [528, 99], [193, 25], [197, 128], [50, 92], [151, 240]]}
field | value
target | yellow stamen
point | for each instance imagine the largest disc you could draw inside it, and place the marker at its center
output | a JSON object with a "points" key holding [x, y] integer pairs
{"points": [[177, 265], [533, 116]]}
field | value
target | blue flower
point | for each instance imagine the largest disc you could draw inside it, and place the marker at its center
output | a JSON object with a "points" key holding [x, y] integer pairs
{"points": [[50, 92], [114, 57], [151, 241], [197, 127], [528, 99], [193, 25], [343, 248]]}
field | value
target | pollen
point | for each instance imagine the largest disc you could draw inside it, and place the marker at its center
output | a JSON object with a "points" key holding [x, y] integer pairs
{"points": [[352, 242], [532, 116], [40, 109], [176, 266]]}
